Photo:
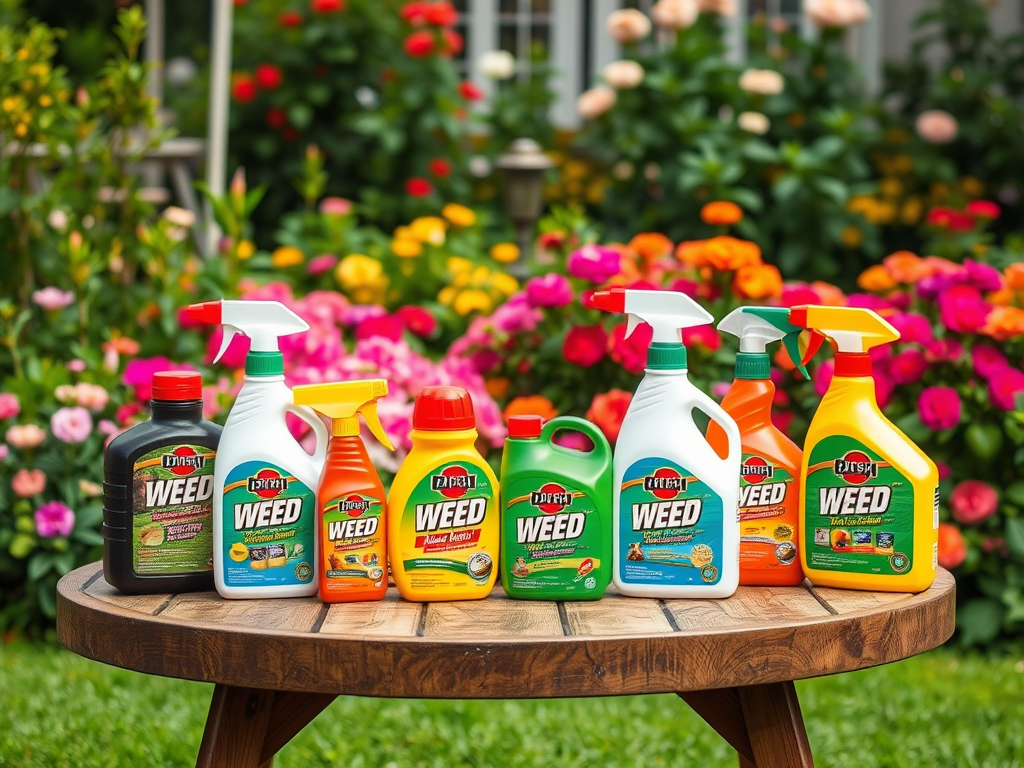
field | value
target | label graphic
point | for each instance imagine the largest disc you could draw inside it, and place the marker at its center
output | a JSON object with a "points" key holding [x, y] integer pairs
{"points": [[859, 510], [353, 542], [172, 511], [553, 539], [269, 523], [767, 493], [446, 518], [670, 526]]}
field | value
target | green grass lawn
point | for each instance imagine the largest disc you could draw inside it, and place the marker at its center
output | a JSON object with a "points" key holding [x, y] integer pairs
{"points": [[57, 709]]}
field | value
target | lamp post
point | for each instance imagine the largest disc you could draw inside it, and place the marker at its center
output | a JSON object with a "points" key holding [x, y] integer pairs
{"points": [[524, 163]]}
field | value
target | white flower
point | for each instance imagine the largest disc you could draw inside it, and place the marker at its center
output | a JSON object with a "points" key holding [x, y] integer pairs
{"points": [[675, 14], [180, 71], [595, 102], [496, 65], [179, 216], [753, 122], [57, 219], [479, 166], [837, 13], [766, 82], [623, 74], [628, 25], [622, 170]]}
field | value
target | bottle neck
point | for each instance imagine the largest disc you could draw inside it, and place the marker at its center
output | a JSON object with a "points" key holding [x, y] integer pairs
{"points": [[853, 364], [177, 410], [753, 365]]}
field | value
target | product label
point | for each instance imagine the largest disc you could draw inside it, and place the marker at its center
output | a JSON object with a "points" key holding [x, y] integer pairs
{"points": [[269, 522], [172, 511], [671, 526], [449, 529], [769, 505], [353, 536], [553, 538], [859, 512]]}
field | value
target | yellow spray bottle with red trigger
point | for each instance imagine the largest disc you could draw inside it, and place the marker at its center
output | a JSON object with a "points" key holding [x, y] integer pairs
{"points": [[869, 507]]}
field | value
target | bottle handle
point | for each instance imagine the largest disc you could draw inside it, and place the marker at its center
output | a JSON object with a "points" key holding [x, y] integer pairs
{"points": [[602, 450], [728, 425], [309, 416]]}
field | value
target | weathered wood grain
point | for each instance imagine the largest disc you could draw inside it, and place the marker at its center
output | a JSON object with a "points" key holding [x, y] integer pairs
{"points": [[235, 728], [775, 726], [760, 607], [616, 616], [278, 614], [495, 617], [722, 710], [390, 617]]}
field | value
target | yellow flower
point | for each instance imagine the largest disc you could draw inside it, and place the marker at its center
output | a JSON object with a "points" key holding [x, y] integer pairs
{"points": [[480, 275], [459, 215], [862, 204], [22, 54], [38, 70], [505, 283], [287, 256], [505, 253], [447, 295], [472, 300], [406, 249], [852, 236], [404, 233], [912, 210], [890, 187], [461, 279], [21, 130], [358, 270], [457, 265], [902, 164], [245, 250], [428, 229], [972, 186], [45, 100]]}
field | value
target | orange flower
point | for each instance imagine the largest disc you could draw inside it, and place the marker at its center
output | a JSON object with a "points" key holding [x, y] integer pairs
{"points": [[1004, 323], [906, 267], [830, 295], [728, 254], [629, 269], [761, 281], [721, 213], [497, 387], [876, 279], [1002, 296], [691, 253], [530, 405], [940, 266], [1014, 275], [651, 245], [607, 411], [122, 345]]}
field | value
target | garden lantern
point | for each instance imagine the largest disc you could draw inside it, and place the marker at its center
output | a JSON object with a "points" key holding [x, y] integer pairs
{"points": [[524, 163]]}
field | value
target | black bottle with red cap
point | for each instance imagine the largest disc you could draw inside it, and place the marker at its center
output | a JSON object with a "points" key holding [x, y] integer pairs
{"points": [[158, 494]]}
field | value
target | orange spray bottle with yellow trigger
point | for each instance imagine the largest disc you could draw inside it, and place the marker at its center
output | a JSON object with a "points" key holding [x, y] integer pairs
{"points": [[352, 561]]}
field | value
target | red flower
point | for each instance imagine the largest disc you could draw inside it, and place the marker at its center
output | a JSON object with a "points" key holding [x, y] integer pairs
{"points": [[952, 548], [417, 187], [442, 14], [419, 44], [983, 209], [585, 345], [440, 167], [417, 319], [415, 13], [290, 133], [452, 42], [947, 218], [244, 90], [268, 76], [386, 326], [631, 353], [327, 6], [276, 117], [702, 336], [546, 240], [973, 502], [289, 19], [608, 410]]}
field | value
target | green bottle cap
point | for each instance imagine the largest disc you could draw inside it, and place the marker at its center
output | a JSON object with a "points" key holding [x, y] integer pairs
{"points": [[666, 356], [264, 364], [753, 365]]}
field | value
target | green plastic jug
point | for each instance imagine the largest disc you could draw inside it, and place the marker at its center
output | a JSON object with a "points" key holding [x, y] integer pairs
{"points": [[556, 524]]}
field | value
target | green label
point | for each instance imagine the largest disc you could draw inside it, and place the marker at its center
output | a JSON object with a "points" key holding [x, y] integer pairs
{"points": [[172, 511], [269, 522], [859, 512], [553, 538], [451, 521], [671, 526], [352, 533]]}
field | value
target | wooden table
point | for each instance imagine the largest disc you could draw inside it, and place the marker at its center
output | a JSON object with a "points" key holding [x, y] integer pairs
{"points": [[279, 663]]}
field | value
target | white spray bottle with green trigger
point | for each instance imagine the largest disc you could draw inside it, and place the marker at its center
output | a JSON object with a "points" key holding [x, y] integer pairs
{"points": [[676, 527], [264, 497]]}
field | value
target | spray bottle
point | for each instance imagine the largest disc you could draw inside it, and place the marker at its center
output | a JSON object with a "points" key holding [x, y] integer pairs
{"points": [[675, 522], [350, 511], [770, 467], [264, 505], [869, 506]]}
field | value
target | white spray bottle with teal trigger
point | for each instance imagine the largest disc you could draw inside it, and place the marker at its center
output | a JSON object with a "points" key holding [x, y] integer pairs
{"points": [[264, 498], [676, 527]]}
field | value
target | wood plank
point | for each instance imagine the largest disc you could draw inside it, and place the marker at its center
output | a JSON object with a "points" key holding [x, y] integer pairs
{"points": [[749, 607], [498, 616], [775, 726], [390, 617], [284, 615], [235, 728], [147, 604], [616, 616], [852, 601]]}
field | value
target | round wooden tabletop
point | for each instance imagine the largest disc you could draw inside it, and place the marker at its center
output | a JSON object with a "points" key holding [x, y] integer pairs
{"points": [[498, 647]]}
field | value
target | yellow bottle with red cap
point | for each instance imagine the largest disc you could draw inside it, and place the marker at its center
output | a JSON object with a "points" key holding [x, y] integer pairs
{"points": [[444, 531], [869, 506]]}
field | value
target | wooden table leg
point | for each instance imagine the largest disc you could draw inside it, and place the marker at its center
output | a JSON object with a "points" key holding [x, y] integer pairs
{"points": [[247, 726]]}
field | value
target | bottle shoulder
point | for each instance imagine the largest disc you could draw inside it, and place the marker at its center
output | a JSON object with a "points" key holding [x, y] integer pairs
{"points": [[870, 427], [150, 436]]}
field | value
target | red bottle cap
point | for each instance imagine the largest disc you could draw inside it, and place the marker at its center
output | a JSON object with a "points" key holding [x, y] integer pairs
{"points": [[443, 408], [852, 364], [177, 385], [525, 427]]}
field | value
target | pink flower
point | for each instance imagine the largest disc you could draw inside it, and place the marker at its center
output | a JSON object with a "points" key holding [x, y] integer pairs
{"points": [[10, 406], [71, 425], [936, 126], [550, 290], [943, 350], [867, 301], [702, 336], [77, 365], [125, 415], [575, 441], [962, 309], [987, 360], [388, 326], [28, 482], [53, 298], [837, 13], [139, 372], [631, 353], [25, 436], [335, 206], [908, 367], [323, 307], [1002, 389], [913, 328], [585, 345], [418, 320], [275, 291], [594, 263], [54, 519], [939, 407], [323, 263], [516, 316], [973, 502], [91, 396], [357, 313], [823, 377], [795, 294], [233, 357], [4, 451], [782, 420]]}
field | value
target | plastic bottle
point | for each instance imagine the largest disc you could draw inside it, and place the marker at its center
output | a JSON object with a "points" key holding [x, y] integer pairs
{"points": [[675, 520], [869, 508], [264, 505], [352, 557], [770, 466], [556, 537], [443, 512], [158, 494]]}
